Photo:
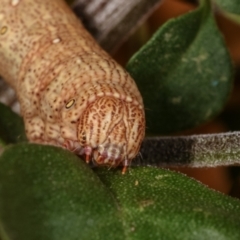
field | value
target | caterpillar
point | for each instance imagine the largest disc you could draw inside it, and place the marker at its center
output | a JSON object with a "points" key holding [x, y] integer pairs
{"points": [[71, 92]]}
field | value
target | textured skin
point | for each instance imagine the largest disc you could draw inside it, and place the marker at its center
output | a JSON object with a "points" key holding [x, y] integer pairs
{"points": [[72, 93]]}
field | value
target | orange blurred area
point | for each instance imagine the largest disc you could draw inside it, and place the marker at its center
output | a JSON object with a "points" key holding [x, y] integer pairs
{"points": [[216, 178], [231, 33]]}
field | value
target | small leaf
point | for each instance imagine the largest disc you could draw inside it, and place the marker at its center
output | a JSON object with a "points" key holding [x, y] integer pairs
{"points": [[11, 126], [49, 193], [231, 9], [232, 6], [184, 72]]}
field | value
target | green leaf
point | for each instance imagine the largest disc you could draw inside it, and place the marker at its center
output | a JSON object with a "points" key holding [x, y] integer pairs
{"points": [[184, 72], [160, 204], [49, 193], [11, 126], [231, 9], [232, 6]]}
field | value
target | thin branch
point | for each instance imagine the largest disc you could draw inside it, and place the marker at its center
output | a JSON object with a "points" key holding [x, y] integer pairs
{"points": [[111, 22], [208, 150]]}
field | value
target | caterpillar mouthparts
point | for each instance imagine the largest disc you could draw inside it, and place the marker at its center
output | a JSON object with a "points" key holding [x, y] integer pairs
{"points": [[111, 130]]}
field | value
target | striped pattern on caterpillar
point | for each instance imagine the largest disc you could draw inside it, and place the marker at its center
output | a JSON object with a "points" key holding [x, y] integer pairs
{"points": [[72, 93]]}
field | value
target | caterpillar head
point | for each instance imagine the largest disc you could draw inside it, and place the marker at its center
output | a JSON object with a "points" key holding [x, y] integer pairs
{"points": [[111, 131]]}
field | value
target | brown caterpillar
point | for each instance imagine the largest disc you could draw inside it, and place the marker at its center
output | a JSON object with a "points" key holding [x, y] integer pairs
{"points": [[72, 93]]}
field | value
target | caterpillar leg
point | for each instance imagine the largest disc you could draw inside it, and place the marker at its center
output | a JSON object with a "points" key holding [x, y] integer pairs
{"points": [[88, 153], [125, 166]]}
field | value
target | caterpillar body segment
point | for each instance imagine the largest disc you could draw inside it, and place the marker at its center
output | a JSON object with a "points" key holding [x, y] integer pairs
{"points": [[72, 93]]}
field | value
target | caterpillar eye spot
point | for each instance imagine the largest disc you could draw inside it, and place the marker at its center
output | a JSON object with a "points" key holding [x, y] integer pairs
{"points": [[3, 30], [15, 2], [56, 40], [70, 103]]}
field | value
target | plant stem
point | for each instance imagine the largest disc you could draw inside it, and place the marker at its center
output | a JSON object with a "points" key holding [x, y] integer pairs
{"points": [[207, 150]]}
